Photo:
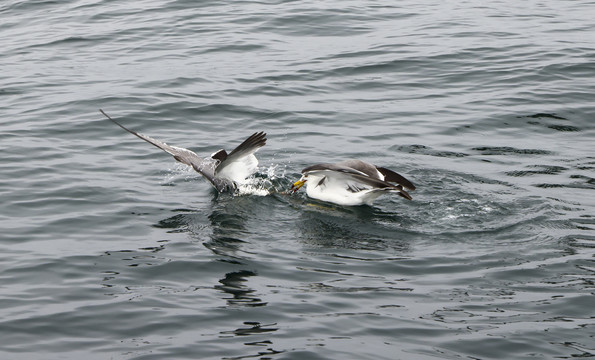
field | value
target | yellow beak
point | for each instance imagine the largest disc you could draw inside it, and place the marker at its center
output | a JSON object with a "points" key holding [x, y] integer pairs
{"points": [[297, 185]]}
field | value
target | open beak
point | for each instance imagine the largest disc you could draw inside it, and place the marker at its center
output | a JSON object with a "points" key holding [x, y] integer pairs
{"points": [[297, 185]]}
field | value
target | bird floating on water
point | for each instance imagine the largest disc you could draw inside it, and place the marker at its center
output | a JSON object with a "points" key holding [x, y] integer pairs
{"points": [[224, 170], [351, 182]]}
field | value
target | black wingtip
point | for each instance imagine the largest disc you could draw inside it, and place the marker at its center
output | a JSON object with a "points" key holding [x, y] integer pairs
{"points": [[404, 194], [256, 140], [392, 176], [125, 128], [106, 115], [112, 120]]}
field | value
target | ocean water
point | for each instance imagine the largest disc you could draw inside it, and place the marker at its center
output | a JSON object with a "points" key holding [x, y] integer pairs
{"points": [[112, 250]]}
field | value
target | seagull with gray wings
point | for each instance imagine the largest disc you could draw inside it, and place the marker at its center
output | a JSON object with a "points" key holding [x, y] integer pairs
{"points": [[351, 182], [224, 170]]}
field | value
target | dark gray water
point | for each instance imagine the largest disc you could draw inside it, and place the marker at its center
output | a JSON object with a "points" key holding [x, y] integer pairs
{"points": [[112, 250]]}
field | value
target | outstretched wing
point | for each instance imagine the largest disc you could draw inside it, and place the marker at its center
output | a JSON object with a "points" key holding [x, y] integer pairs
{"points": [[182, 155], [240, 162]]}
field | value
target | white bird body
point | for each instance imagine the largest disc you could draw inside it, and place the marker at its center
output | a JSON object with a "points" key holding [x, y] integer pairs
{"points": [[351, 182], [239, 170]]}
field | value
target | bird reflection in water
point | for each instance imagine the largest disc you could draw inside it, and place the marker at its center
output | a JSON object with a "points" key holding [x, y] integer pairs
{"points": [[233, 284], [254, 328]]}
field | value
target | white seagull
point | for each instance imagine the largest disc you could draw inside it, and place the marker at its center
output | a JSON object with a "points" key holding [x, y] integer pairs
{"points": [[351, 182], [225, 171]]}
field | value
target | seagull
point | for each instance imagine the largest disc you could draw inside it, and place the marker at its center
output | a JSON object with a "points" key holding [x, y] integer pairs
{"points": [[225, 171], [351, 182]]}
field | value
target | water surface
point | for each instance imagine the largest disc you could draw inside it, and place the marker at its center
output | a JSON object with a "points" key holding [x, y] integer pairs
{"points": [[114, 251]]}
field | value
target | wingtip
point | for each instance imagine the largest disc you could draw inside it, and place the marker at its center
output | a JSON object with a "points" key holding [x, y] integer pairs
{"points": [[258, 139], [394, 177], [404, 194], [107, 116], [261, 136]]}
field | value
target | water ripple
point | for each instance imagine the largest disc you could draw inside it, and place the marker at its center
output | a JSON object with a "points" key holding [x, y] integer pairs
{"points": [[112, 250]]}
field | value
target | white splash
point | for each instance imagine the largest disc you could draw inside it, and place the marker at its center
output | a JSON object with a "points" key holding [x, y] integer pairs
{"points": [[260, 186], [255, 185], [252, 189]]}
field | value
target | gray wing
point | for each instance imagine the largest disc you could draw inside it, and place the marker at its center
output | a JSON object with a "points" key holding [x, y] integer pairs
{"points": [[185, 156], [332, 167], [362, 166], [372, 171]]}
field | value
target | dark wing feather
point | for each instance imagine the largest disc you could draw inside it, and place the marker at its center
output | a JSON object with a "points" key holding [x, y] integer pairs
{"points": [[392, 176], [220, 155], [380, 185], [376, 183], [405, 194]]}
